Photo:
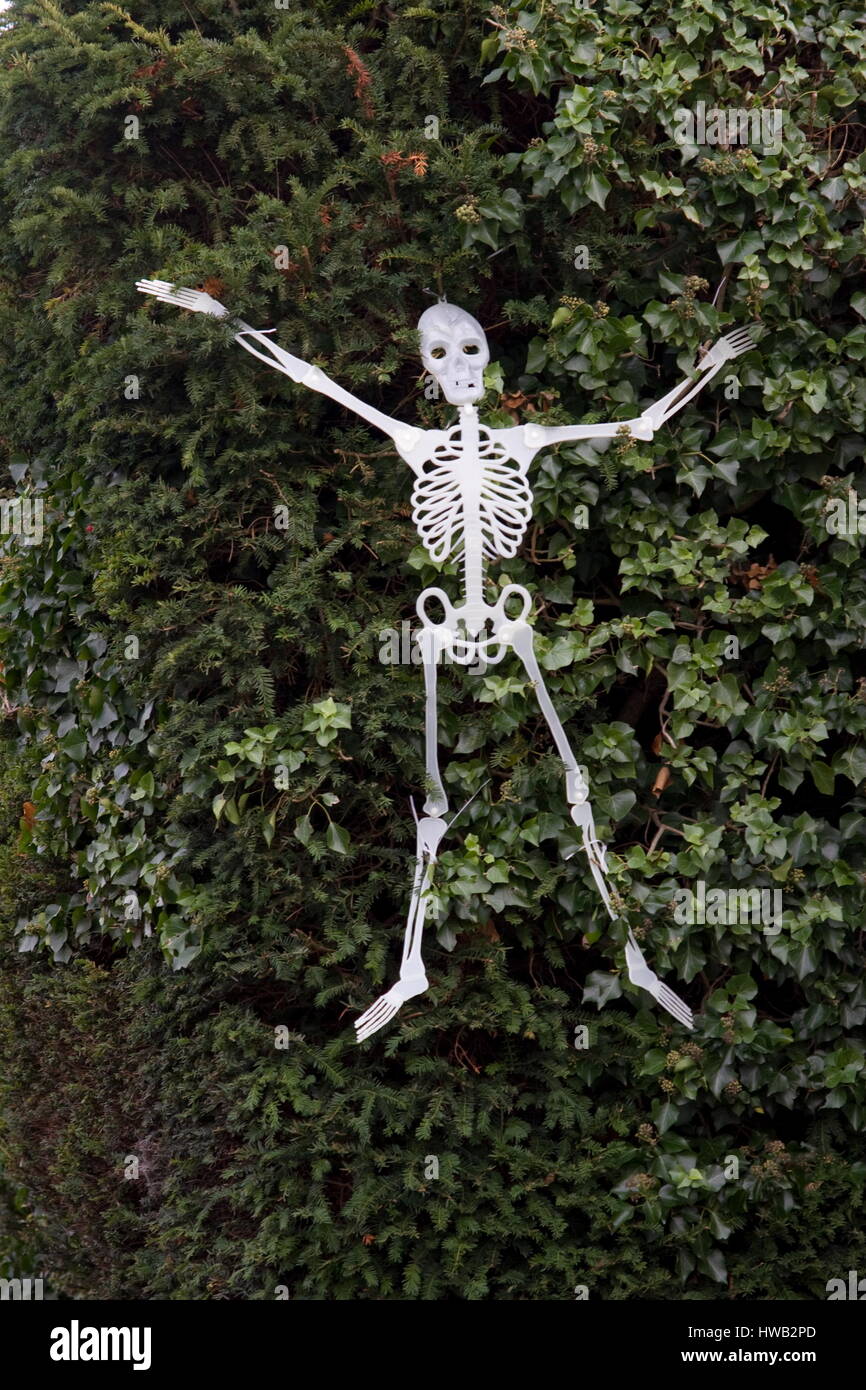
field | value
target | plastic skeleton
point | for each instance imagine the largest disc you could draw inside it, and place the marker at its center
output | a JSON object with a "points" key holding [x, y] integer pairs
{"points": [[472, 499]]}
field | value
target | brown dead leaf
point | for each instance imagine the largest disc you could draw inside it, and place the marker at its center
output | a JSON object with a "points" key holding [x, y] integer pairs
{"points": [[663, 776], [751, 576]]}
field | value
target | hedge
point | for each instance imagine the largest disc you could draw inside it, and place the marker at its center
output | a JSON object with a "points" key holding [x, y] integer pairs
{"points": [[185, 936]]}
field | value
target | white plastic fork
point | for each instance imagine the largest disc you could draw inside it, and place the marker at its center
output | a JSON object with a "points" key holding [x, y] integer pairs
{"points": [[197, 300], [412, 979], [387, 1005], [732, 345], [641, 975]]}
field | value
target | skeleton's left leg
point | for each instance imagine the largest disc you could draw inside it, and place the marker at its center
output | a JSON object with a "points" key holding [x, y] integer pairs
{"points": [[519, 635]]}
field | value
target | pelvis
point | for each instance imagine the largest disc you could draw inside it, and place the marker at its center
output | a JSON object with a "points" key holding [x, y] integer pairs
{"points": [[460, 631]]}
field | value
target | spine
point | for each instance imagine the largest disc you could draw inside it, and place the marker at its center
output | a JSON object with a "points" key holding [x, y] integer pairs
{"points": [[475, 609]]}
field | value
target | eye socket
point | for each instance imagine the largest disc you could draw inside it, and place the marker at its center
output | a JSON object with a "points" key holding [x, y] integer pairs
{"points": [[471, 349], [437, 352]]}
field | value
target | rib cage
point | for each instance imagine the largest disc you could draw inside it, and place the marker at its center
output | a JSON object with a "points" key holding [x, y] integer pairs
{"points": [[441, 493]]}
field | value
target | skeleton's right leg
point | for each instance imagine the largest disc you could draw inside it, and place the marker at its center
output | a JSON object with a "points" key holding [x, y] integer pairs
{"points": [[431, 828], [431, 644]]}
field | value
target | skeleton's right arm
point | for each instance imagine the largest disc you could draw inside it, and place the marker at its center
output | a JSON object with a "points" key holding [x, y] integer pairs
{"points": [[259, 344]]}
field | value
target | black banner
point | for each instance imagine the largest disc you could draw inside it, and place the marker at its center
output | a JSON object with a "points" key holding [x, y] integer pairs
{"points": [[87, 1340]]}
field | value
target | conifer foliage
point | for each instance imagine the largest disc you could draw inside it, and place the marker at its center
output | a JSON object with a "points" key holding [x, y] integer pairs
{"points": [[208, 756]]}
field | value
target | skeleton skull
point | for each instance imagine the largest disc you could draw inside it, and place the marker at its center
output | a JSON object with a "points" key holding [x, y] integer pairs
{"points": [[454, 350]]}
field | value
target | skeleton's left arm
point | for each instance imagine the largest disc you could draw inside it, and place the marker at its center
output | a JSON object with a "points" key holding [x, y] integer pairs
{"points": [[645, 425], [305, 374]]}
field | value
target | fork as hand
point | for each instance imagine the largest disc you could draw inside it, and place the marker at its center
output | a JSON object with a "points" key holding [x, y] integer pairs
{"points": [[732, 345], [387, 1005], [197, 300], [641, 975]]}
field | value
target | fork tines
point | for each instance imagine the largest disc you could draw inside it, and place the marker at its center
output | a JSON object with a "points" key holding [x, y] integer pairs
{"points": [[740, 340], [155, 286], [169, 294], [375, 1018], [675, 1006]]}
